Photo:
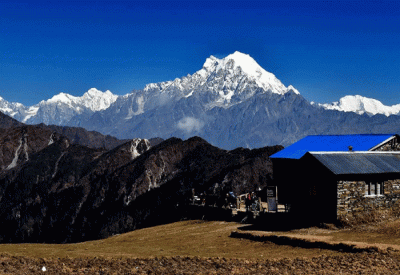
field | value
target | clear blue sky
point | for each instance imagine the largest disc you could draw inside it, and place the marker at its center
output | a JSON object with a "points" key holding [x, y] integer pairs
{"points": [[326, 49]]}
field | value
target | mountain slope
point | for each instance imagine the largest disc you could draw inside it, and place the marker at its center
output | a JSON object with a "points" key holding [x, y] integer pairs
{"points": [[8, 122], [84, 193], [18, 144], [19, 141]]}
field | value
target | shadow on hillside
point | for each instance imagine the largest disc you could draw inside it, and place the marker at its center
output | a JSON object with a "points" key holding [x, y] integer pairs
{"points": [[294, 242], [274, 222], [270, 227]]}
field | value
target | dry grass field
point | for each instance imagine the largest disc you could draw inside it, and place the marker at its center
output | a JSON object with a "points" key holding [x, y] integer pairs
{"points": [[199, 247]]}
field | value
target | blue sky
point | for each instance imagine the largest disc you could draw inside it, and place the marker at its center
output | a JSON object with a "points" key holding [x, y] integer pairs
{"points": [[326, 49]]}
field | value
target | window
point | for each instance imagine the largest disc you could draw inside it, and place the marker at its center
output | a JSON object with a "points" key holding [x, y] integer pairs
{"points": [[374, 188]]}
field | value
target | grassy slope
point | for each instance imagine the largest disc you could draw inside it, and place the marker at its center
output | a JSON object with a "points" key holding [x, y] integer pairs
{"points": [[210, 250], [188, 238], [209, 239]]}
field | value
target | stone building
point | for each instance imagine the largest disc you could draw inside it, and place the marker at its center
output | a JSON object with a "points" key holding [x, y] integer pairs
{"points": [[322, 177]]}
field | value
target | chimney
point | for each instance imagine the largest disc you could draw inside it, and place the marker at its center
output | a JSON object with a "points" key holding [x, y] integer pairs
{"points": [[351, 148]]}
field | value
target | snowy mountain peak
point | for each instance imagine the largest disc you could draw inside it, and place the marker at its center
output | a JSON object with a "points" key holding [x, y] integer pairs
{"points": [[291, 88], [60, 108], [220, 82], [210, 62], [245, 61], [249, 67], [14, 109], [61, 97], [360, 105], [93, 99], [247, 64], [97, 100], [93, 92]]}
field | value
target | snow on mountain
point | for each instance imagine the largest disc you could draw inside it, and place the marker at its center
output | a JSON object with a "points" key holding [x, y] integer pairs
{"points": [[62, 107], [30, 112], [13, 109], [93, 99], [360, 105], [97, 100], [249, 67], [220, 83], [7, 107]]}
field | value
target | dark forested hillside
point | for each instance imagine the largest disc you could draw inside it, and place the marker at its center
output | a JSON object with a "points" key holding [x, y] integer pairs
{"points": [[83, 193]]}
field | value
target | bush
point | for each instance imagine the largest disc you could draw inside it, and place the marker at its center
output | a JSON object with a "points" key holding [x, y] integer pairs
{"points": [[365, 217]]}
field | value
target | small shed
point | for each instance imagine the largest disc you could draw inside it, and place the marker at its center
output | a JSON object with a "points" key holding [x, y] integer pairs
{"points": [[321, 179]]}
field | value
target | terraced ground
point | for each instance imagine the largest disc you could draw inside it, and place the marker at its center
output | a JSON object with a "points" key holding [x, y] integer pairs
{"points": [[199, 247]]}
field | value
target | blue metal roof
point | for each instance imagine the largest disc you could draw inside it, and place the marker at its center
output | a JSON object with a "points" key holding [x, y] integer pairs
{"points": [[327, 143]]}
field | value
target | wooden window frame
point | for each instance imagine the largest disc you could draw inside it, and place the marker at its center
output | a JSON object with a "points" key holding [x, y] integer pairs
{"points": [[368, 188]]}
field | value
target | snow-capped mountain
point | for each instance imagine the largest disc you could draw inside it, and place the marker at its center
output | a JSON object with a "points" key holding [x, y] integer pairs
{"points": [[362, 105], [224, 82], [220, 83], [93, 99], [60, 108]]}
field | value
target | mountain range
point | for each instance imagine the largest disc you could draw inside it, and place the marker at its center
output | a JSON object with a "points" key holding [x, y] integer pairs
{"points": [[230, 102]]}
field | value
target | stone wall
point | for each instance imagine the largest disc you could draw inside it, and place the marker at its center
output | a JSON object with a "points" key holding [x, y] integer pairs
{"points": [[351, 197]]}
